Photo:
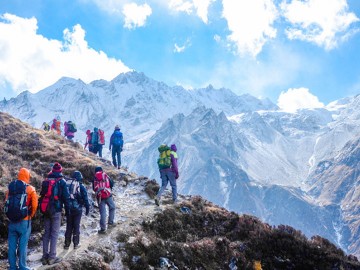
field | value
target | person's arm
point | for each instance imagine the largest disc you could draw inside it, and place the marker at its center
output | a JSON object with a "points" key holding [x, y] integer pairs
{"points": [[33, 200], [65, 196], [174, 166], [111, 141], [84, 196]]}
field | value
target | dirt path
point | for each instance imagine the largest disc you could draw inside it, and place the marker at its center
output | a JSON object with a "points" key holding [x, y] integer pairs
{"points": [[132, 207]]}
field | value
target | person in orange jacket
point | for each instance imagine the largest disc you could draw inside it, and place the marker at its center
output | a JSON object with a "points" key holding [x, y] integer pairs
{"points": [[19, 228], [56, 125]]}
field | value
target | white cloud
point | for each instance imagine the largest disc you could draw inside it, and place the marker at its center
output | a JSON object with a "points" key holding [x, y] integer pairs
{"points": [[180, 49], [29, 61], [323, 22], [200, 7], [136, 15], [250, 24], [298, 98]]}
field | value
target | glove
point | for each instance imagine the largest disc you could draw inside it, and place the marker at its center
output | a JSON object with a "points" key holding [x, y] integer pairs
{"points": [[87, 211], [177, 176]]}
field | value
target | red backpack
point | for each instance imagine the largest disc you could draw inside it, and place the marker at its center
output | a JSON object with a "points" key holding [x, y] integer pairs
{"points": [[47, 201], [101, 139], [102, 186]]}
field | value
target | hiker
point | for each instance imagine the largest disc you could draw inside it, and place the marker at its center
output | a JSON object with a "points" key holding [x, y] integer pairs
{"points": [[116, 143], [95, 142], [53, 196], [168, 171], [20, 216], [78, 200], [56, 125], [88, 140], [45, 126], [69, 130], [102, 186]]}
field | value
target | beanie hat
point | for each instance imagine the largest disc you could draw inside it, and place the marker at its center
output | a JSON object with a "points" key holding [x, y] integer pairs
{"points": [[77, 175], [117, 127], [57, 167], [98, 169]]}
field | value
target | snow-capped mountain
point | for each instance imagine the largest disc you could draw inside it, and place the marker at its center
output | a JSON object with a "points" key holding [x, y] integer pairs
{"points": [[240, 152]]}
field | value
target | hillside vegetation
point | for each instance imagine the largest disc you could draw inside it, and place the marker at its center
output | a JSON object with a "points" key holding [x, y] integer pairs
{"points": [[194, 234]]}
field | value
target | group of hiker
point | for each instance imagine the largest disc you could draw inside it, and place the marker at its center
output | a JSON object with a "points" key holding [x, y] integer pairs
{"points": [[69, 128], [57, 193], [94, 141]]}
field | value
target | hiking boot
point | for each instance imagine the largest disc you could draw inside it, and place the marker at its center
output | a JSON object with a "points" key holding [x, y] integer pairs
{"points": [[44, 261], [112, 224], [157, 202], [54, 260], [66, 246], [102, 231], [77, 246]]}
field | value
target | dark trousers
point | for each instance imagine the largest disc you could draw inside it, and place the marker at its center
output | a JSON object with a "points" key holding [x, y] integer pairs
{"points": [[73, 228], [116, 154]]}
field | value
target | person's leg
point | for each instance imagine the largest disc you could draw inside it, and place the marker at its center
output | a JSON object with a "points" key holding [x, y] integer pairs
{"points": [[102, 209], [12, 245], [55, 228], [25, 228], [46, 237], [111, 204], [69, 229], [100, 150], [113, 155], [76, 224], [172, 181], [164, 182], [118, 153]]}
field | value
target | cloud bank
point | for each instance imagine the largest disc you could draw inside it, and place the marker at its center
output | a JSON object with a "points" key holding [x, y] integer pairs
{"points": [[32, 62], [298, 98]]}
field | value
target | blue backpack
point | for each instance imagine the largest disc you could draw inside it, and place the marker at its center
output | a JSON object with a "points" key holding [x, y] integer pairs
{"points": [[118, 138], [15, 206]]}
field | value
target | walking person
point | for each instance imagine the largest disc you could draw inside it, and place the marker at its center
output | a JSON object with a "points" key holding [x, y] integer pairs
{"points": [[88, 140], [54, 196], [116, 146], [169, 172], [56, 126], [78, 200], [102, 186], [20, 207], [69, 130]]}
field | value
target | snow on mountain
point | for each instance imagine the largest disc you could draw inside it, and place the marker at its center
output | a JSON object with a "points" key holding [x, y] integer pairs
{"points": [[238, 151]]}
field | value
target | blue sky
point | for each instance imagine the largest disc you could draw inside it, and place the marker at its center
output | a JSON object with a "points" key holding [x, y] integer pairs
{"points": [[298, 53]]}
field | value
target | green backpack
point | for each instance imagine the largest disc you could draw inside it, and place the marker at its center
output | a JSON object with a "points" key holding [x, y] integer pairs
{"points": [[164, 160]]}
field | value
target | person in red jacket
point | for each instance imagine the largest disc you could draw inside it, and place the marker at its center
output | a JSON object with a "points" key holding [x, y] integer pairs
{"points": [[19, 232]]}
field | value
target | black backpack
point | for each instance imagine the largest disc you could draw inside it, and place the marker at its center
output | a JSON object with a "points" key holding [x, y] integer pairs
{"points": [[71, 126], [15, 206]]}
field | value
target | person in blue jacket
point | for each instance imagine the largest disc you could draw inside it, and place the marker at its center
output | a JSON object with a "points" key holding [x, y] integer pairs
{"points": [[116, 146], [78, 200]]}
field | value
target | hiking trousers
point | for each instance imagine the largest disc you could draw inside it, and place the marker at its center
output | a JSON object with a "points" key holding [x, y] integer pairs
{"points": [[116, 154], [18, 238], [73, 227], [102, 208], [166, 177], [51, 234]]}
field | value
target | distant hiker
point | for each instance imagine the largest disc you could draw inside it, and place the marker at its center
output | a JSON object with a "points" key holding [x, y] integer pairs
{"points": [[53, 196], [116, 143], [102, 186], [78, 200], [168, 167], [95, 146], [69, 130], [56, 126], [20, 207], [88, 140], [45, 126]]}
